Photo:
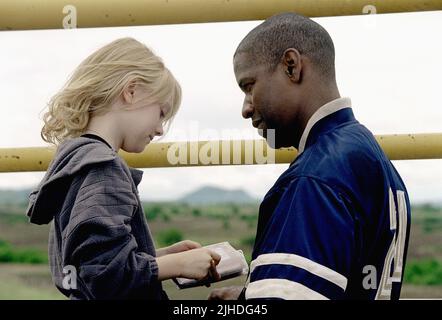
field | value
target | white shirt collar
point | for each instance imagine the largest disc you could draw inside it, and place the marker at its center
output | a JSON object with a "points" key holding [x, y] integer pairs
{"points": [[322, 112]]}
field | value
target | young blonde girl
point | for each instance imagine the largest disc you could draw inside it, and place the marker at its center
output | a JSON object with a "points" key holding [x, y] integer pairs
{"points": [[100, 246]]}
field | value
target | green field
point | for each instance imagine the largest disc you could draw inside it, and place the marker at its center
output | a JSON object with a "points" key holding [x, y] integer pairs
{"points": [[24, 273]]}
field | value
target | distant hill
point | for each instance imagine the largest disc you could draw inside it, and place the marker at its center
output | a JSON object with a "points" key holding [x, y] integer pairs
{"points": [[212, 195], [204, 195], [14, 197]]}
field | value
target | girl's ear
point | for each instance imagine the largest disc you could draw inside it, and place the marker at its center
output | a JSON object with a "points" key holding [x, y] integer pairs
{"points": [[128, 93]]}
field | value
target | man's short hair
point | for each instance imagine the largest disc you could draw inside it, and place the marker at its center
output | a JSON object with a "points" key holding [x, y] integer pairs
{"points": [[267, 42]]}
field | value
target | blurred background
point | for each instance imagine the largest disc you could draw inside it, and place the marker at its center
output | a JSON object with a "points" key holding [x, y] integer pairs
{"points": [[389, 65]]}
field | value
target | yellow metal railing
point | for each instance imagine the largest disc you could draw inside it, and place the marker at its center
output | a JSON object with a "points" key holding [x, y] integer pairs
{"points": [[210, 153], [50, 14]]}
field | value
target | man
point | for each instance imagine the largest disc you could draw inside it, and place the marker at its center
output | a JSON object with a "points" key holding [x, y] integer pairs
{"points": [[336, 223]]}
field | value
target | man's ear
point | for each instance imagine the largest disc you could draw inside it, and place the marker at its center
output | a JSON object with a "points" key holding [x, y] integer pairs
{"points": [[292, 64], [128, 93]]}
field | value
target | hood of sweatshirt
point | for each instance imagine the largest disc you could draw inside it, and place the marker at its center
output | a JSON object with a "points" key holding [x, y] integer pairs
{"points": [[72, 156]]}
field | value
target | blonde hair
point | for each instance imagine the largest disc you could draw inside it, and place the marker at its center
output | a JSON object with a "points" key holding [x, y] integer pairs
{"points": [[100, 79]]}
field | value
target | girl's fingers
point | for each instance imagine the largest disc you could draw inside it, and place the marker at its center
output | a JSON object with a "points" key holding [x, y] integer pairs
{"points": [[184, 245], [215, 256], [192, 244], [213, 272]]}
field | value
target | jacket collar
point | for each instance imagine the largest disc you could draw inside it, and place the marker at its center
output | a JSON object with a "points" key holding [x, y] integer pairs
{"points": [[137, 175], [321, 120]]}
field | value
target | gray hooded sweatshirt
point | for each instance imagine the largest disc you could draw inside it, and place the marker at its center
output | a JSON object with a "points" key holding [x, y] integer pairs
{"points": [[100, 246]]}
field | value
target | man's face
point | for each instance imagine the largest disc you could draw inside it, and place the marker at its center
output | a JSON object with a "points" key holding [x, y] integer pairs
{"points": [[267, 102]]}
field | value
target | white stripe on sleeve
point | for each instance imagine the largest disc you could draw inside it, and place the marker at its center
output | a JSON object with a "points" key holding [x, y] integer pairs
{"points": [[281, 288], [300, 262]]}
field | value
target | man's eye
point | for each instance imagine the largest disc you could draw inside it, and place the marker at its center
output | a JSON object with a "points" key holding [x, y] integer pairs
{"points": [[248, 87]]}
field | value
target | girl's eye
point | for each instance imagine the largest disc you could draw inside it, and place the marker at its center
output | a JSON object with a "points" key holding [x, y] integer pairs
{"points": [[162, 115]]}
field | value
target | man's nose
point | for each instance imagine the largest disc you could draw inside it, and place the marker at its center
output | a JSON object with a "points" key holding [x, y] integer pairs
{"points": [[247, 109]]}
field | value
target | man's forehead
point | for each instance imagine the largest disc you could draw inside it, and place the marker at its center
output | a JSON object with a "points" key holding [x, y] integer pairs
{"points": [[246, 66], [243, 62]]}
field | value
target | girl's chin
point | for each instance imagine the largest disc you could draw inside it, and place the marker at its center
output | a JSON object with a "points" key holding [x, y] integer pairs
{"points": [[136, 149]]}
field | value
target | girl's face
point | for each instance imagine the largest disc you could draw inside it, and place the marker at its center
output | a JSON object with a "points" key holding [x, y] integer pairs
{"points": [[141, 121]]}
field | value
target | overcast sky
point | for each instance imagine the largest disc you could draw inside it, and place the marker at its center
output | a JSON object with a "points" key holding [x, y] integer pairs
{"points": [[389, 65]]}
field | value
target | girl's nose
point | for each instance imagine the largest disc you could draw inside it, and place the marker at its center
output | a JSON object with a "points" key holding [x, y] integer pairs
{"points": [[159, 130]]}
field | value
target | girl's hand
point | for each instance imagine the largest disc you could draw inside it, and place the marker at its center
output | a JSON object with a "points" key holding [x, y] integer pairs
{"points": [[198, 264], [181, 246]]}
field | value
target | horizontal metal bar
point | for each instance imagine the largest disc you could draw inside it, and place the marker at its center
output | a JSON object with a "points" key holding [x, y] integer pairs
{"points": [[212, 153], [55, 14]]}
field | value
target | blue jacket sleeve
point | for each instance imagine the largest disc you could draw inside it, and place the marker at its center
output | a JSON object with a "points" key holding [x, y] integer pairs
{"points": [[307, 247]]}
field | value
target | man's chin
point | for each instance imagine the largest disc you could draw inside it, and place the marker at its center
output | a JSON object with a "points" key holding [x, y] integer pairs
{"points": [[278, 144], [273, 140]]}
